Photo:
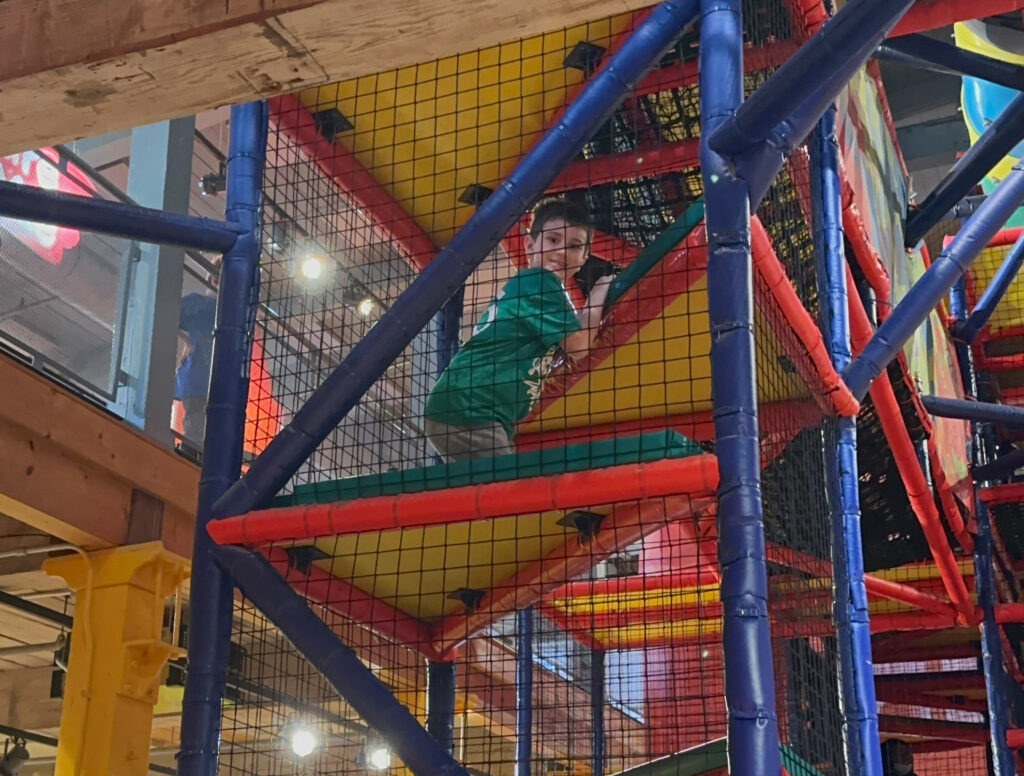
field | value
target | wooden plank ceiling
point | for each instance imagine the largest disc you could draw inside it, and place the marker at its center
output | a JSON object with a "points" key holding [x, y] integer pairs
{"points": [[77, 68]]}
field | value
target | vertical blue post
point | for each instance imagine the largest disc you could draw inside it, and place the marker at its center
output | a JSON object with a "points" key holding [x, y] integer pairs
{"points": [[853, 634], [958, 312], [984, 571], [991, 646], [210, 599], [441, 704], [597, 666], [753, 729], [524, 691], [449, 324], [441, 676]]}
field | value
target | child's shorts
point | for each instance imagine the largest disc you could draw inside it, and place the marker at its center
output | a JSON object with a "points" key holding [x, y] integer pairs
{"points": [[463, 443]]}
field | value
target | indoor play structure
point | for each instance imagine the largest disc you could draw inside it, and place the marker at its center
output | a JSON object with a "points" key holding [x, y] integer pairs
{"points": [[767, 525]]}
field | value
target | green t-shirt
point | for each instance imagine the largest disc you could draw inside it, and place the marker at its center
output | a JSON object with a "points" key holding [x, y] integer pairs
{"points": [[499, 373]]}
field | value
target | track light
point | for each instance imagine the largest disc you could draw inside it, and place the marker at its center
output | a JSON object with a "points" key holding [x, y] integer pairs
{"points": [[374, 757], [303, 742], [365, 307], [379, 758], [213, 183], [15, 755], [311, 268]]}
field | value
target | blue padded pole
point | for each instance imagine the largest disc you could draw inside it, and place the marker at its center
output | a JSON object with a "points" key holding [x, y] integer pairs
{"points": [[597, 700], [819, 69], [441, 704], [761, 163], [853, 630], [210, 599], [997, 141], [340, 392], [524, 691], [995, 291], [964, 357], [949, 267], [951, 59], [991, 645], [977, 411], [984, 571], [338, 664], [120, 219], [753, 730]]}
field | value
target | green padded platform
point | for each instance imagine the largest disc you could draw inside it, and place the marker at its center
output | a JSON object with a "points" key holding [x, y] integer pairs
{"points": [[555, 460], [711, 757]]}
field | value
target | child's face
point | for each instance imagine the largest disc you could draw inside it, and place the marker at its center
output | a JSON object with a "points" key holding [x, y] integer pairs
{"points": [[560, 248]]}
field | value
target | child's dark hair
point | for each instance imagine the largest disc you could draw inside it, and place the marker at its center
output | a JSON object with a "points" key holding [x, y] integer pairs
{"points": [[570, 211]]}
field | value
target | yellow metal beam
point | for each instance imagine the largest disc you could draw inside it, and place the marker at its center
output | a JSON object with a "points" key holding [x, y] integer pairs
{"points": [[117, 656]]}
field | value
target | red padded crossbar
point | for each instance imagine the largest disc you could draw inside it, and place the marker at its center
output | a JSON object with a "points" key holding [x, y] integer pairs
{"points": [[802, 341], [1002, 494], [626, 525], [927, 15], [354, 181], [918, 491], [340, 597], [696, 476]]}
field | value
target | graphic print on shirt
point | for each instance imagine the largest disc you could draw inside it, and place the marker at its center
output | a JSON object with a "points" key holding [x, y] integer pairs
{"points": [[540, 369], [489, 314]]}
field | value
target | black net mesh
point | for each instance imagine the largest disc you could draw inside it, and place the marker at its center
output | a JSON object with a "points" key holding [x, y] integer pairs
{"points": [[422, 561]]}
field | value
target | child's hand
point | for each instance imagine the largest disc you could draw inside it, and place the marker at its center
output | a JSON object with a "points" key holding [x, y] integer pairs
{"points": [[599, 292]]}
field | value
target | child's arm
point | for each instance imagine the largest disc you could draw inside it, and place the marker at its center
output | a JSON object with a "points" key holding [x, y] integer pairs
{"points": [[579, 343]]}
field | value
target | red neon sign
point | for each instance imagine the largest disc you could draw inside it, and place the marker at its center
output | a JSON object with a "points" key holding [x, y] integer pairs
{"points": [[39, 168]]}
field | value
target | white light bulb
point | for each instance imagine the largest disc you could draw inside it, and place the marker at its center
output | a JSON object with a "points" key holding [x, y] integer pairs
{"points": [[303, 742], [380, 758], [366, 307], [311, 268]]}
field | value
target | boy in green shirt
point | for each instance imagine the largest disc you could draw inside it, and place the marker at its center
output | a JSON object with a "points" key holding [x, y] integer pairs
{"points": [[496, 377]]}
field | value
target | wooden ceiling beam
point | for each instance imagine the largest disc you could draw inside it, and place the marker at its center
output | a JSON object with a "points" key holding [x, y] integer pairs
{"points": [[79, 68]]}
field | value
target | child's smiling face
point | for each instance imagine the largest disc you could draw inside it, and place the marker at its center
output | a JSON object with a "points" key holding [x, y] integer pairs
{"points": [[560, 248]]}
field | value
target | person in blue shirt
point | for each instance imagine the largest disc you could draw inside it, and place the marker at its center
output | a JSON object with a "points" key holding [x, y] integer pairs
{"points": [[192, 380]]}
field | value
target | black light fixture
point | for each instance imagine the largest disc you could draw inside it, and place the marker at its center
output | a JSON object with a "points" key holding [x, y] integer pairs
{"points": [[585, 56], [15, 756], [331, 123], [213, 183]]}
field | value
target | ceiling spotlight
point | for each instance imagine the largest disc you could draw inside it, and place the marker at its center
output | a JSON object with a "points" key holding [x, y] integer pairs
{"points": [[303, 742], [365, 307], [378, 758], [311, 268], [15, 756], [214, 183]]}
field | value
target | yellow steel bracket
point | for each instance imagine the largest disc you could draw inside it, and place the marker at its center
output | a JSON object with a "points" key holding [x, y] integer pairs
{"points": [[118, 653]]}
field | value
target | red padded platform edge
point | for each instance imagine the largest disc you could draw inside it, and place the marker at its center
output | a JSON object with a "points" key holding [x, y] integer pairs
{"points": [[694, 476]]}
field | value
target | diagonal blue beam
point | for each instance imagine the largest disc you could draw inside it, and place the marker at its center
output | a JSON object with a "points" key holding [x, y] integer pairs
{"points": [[948, 58], [998, 139], [933, 285], [1001, 467], [341, 391], [338, 664], [967, 330], [816, 72]]}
